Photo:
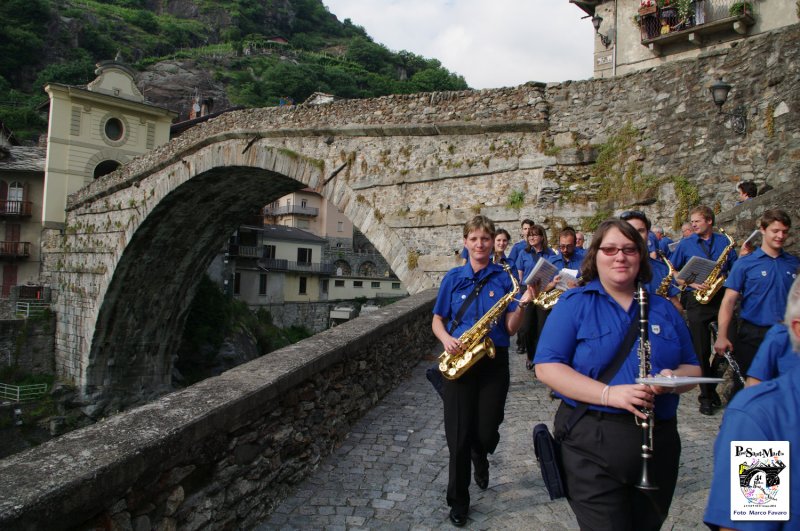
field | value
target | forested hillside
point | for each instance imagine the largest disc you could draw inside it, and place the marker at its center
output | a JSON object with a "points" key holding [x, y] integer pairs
{"points": [[228, 43]]}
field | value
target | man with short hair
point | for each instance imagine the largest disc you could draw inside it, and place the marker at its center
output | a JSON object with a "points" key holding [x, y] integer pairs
{"points": [[761, 280], [747, 190], [580, 240], [663, 241], [686, 230], [705, 243], [514, 257], [766, 412], [518, 247]]}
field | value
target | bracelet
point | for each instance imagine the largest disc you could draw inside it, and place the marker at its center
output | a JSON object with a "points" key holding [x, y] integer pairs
{"points": [[604, 396]]}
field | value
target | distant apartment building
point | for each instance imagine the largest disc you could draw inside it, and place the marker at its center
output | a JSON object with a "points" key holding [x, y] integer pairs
{"points": [[21, 192]]}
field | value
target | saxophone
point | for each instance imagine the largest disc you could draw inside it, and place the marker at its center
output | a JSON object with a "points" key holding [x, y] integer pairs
{"points": [[474, 342], [715, 279], [547, 299], [663, 288]]}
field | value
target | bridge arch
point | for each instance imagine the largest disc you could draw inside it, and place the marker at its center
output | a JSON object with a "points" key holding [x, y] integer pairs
{"points": [[136, 244]]}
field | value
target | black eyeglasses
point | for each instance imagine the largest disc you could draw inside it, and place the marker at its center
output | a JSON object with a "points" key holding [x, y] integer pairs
{"points": [[612, 251], [632, 214]]}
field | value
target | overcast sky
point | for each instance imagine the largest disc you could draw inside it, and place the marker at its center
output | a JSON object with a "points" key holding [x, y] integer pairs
{"points": [[497, 43]]}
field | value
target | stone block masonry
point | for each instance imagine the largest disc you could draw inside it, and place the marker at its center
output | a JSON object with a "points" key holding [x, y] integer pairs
{"points": [[224, 452]]}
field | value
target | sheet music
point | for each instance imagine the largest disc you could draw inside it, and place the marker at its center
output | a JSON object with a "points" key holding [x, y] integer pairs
{"points": [[567, 277], [543, 272], [672, 246], [677, 381], [696, 270], [752, 239]]}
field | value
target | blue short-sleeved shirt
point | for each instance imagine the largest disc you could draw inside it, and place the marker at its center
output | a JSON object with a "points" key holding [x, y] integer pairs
{"points": [[775, 356], [694, 246], [652, 242], [663, 245], [769, 411], [587, 326], [456, 286], [764, 284], [527, 259], [660, 272], [516, 249], [573, 263]]}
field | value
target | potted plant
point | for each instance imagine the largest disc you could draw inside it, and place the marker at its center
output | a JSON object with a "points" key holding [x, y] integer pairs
{"points": [[669, 15], [647, 7], [685, 9], [740, 8]]}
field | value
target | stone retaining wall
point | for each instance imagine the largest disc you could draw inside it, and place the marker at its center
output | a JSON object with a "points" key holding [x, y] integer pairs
{"points": [[28, 344], [222, 453]]}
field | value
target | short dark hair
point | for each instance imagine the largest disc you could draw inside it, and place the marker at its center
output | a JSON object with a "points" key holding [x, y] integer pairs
{"points": [[527, 221], [567, 231], [748, 187], [589, 266], [775, 214], [635, 214]]}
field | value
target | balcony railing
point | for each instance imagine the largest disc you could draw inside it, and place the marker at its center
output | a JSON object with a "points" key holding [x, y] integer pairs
{"points": [[15, 208], [277, 264], [664, 25], [291, 209], [15, 249], [245, 251]]}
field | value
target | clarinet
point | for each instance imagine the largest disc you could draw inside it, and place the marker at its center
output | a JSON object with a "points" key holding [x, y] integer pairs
{"points": [[644, 371]]}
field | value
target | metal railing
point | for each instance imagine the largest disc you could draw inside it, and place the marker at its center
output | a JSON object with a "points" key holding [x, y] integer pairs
{"points": [[663, 21], [290, 209], [22, 393], [15, 208], [26, 309], [21, 249], [278, 264]]}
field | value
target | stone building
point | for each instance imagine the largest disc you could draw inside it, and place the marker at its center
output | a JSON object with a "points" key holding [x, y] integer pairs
{"points": [[634, 35]]}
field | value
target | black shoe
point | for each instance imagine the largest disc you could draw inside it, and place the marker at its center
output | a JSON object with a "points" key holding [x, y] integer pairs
{"points": [[520, 350], [457, 518], [716, 401], [529, 365], [481, 466], [706, 408]]}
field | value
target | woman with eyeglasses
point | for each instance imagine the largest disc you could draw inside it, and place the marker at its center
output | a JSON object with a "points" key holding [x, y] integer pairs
{"points": [[534, 316], [601, 454]]}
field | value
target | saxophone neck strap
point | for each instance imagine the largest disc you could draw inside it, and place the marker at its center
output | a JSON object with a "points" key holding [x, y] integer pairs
{"points": [[608, 373], [468, 302]]}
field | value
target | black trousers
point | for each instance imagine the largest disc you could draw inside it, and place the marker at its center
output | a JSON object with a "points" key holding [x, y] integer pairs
{"points": [[700, 317], [602, 464], [745, 345], [474, 406], [535, 317]]}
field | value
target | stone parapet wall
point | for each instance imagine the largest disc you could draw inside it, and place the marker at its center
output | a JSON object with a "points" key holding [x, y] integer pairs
{"points": [[222, 453], [312, 315]]}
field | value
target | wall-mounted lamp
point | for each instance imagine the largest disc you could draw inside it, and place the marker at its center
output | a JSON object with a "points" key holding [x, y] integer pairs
{"points": [[719, 92], [605, 39]]}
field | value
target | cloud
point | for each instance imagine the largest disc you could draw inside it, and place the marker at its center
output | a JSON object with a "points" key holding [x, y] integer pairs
{"points": [[505, 43]]}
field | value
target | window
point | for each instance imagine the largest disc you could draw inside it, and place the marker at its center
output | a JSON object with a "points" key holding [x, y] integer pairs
{"points": [[114, 129], [303, 283], [338, 283], [358, 284], [303, 255], [262, 284], [324, 286], [303, 224], [269, 252], [237, 280], [105, 167], [376, 285], [16, 193], [303, 203], [395, 285], [340, 226]]}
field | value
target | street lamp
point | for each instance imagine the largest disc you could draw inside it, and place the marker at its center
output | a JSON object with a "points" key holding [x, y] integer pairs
{"points": [[605, 39], [719, 93]]}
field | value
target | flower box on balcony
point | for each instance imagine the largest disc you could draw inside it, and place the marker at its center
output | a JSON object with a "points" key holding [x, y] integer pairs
{"points": [[649, 10]]}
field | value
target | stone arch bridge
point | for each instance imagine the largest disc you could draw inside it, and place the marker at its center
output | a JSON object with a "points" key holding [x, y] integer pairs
{"points": [[408, 171]]}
